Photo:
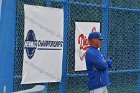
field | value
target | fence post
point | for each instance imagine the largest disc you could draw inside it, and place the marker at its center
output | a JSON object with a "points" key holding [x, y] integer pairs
{"points": [[0, 8], [65, 46], [7, 45], [105, 25], [139, 63]]}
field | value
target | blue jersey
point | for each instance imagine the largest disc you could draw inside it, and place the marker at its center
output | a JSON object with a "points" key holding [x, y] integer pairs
{"points": [[97, 68]]}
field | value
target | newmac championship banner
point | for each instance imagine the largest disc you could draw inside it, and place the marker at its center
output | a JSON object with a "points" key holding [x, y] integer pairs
{"points": [[43, 44], [81, 42]]}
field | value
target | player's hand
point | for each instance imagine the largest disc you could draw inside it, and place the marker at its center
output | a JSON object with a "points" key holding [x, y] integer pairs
{"points": [[109, 62]]}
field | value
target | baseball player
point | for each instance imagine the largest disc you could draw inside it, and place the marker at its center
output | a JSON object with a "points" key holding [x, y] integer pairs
{"points": [[97, 65]]}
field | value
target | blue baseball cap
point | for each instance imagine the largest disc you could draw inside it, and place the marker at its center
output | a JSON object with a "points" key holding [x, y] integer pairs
{"points": [[95, 35]]}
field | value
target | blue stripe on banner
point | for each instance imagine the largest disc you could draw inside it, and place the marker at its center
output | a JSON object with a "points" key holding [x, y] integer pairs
{"points": [[48, 49]]}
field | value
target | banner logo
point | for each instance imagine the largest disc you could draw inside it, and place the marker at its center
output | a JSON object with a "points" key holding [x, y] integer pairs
{"points": [[31, 44], [84, 43]]}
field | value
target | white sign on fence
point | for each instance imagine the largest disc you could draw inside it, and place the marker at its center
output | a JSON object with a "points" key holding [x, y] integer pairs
{"points": [[81, 42], [43, 44]]}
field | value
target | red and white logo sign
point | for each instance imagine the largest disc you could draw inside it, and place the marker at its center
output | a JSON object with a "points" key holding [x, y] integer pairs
{"points": [[82, 43]]}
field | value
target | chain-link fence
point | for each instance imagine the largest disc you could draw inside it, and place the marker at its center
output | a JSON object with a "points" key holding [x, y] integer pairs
{"points": [[123, 45], [120, 22]]}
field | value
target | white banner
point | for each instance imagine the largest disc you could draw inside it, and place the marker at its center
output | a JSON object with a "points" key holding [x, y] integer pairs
{"points": [[81, 42], [43, 44]]}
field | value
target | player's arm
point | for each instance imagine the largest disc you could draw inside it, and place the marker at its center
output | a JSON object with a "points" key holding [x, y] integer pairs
{"points": [[109, 62], [97, 62]]}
